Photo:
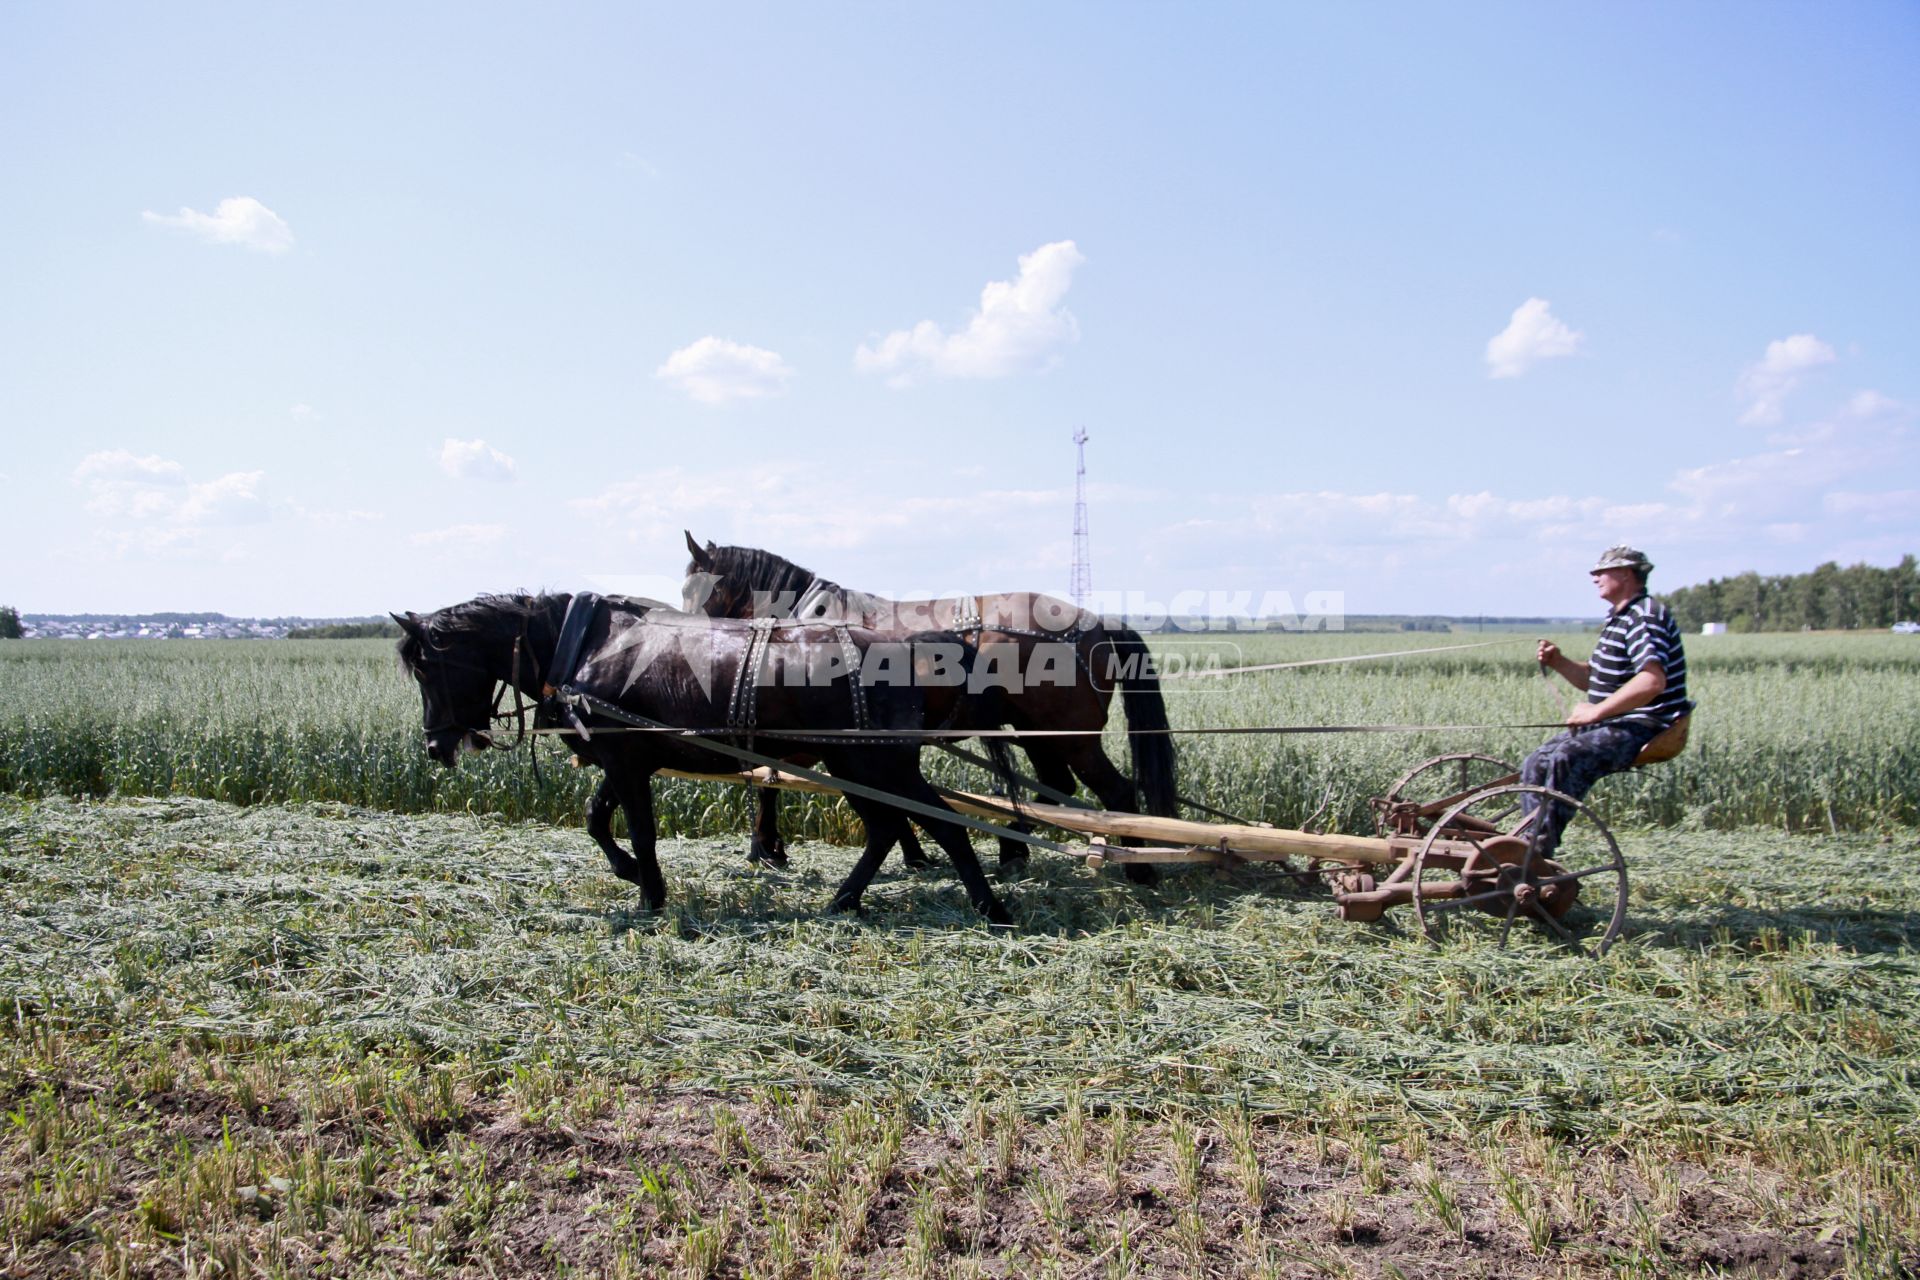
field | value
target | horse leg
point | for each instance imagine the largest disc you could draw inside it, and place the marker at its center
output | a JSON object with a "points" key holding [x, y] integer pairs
{"points": [[884, 825], [953, 838], [899, 774], [1116, 793], [767, 846], [910, 851], [636, 800], [600, 827]]}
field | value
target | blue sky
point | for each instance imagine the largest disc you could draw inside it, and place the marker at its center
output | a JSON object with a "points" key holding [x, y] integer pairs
{"points": [[345, 308]]}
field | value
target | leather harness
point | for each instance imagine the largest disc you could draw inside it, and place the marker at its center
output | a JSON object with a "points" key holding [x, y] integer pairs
{"points": [[742, 704]]}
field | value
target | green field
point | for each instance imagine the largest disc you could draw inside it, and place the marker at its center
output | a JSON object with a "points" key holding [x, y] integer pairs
{"points": [[383, 1020], [324, 1040], [1797, 733]]}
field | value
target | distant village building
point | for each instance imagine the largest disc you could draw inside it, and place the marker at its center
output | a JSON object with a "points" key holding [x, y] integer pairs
{"points": [[1713, 628], [163, 627]]}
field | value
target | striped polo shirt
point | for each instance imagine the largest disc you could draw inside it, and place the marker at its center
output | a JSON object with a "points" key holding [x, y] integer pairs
{"points": [[1639, 632]]}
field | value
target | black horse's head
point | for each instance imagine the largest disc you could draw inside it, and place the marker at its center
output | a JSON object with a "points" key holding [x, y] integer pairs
{"points": [[706, 590], [456, 683], [741, 582]]}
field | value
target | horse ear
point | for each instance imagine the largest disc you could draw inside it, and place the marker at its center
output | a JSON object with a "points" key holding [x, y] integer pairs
{"points": [[409, 624], [702, 557]]}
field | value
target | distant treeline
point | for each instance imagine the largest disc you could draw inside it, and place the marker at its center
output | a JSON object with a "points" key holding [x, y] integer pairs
{"points": [[1829, 598], [381, 630]]}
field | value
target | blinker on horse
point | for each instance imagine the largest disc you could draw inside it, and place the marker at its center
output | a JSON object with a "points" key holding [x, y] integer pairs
{"points": [[699, 673]]}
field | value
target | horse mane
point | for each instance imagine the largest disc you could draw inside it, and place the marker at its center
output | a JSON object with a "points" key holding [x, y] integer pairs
{"points": [[765, 571], [483, 616]]}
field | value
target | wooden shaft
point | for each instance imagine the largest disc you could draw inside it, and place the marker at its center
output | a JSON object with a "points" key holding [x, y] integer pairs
{"points": [[1273, 842], [1247, 842], [755, 777]]}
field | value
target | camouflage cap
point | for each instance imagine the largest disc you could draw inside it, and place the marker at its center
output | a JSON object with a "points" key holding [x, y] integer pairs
{"points": [[1622, 557]]}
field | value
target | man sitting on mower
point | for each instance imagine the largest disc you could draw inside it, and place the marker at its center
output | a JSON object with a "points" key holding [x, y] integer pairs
{"points": [[1636, 686]]}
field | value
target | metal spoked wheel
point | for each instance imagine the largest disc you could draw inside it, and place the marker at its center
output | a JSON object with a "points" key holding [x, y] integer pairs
{"points": [[1430, 782], [1465, 877]]}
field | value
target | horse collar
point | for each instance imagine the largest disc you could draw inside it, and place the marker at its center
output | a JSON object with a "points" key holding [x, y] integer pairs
{"points": [[573, 638]]}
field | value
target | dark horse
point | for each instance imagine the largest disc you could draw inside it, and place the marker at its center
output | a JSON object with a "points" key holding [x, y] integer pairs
{"points": [[692, 672], [1017, 636]]}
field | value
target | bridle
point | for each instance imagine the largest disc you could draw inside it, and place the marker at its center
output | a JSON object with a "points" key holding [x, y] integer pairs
{"points": [[495, 715]]}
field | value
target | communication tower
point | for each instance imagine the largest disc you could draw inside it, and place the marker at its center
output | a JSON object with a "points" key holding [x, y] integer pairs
{"points": [[1081, 585]]}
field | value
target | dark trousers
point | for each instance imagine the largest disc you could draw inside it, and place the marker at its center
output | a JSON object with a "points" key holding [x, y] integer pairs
{"points": [[1571, 763]]}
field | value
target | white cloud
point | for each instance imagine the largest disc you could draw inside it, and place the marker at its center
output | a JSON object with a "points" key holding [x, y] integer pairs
{"points": [[780, 504], [330, 518], [1019, 327], [1493, 550], [475, 460], [304, 412], [1765, 386], [1898, 505], [1759, 483], [240, 220], [1823, 468], [120, 466], [1471, 505], [1397, 523], [1532, 335], [1871, 404], [461, 537], [1631, 516], [153, 499], [157, 491], [780, 508], [1467, 552], [230, 499], [717, 371]]}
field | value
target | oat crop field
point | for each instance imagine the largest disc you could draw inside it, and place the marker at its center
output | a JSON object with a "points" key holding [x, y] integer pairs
{"points": [[1796, 733], [280, 1000]]}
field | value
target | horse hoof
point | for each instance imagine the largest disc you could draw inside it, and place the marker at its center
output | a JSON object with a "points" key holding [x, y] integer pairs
{"points": [[998, 916], [1011, 868], [775, 858], [846, 907], [1140, 873]]}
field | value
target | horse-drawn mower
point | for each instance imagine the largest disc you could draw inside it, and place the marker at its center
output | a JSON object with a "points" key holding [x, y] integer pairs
{"points": [[1459, 837], [1454, 840]]}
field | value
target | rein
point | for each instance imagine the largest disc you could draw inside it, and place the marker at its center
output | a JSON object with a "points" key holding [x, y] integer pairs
{"points": [[1210, 673], [862, 735], [519, 716]]}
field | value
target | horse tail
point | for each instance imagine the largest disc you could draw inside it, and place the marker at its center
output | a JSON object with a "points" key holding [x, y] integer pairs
{"points": [[1147, 734], [1005, 776]]}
